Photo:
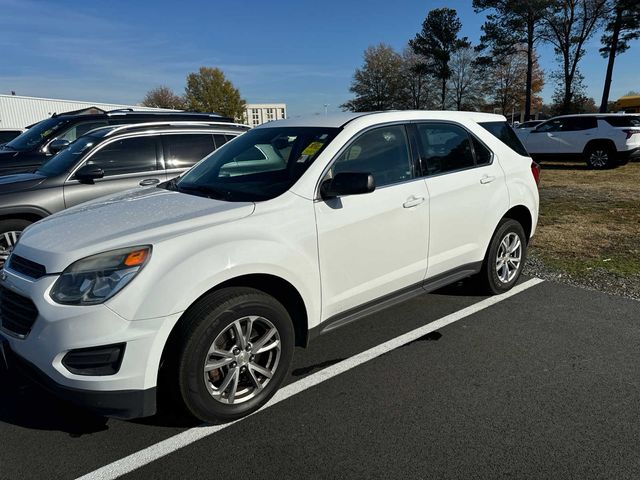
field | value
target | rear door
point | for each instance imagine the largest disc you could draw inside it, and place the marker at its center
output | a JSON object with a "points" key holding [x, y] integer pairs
{"points": [[467, 190], [127, 163]]}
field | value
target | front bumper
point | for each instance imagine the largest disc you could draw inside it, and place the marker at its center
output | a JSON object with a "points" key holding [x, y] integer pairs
{"points": [[123, 404], [58, 329]]}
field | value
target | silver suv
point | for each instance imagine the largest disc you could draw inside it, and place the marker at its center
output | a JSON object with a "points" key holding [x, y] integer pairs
{"points": [[102, 162]]}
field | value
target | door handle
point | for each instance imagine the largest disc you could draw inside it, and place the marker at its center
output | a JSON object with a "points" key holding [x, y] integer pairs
{"points": [[149, 181], [487, 179], [413, 201]]}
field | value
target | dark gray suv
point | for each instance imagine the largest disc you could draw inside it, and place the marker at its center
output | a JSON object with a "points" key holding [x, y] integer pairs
{"points": [[102, 162]]}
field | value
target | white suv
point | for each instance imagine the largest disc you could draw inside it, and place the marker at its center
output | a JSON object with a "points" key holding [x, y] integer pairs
{"points": [[602, 141], [205, 284]]}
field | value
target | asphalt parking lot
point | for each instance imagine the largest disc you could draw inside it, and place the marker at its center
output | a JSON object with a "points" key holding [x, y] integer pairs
{"points": [[543, 384]]}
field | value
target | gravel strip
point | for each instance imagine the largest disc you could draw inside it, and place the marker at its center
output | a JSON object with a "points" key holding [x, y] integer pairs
{"points": [[598, 279]]}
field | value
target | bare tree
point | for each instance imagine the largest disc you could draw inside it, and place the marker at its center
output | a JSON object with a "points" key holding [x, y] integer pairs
{"points": [[418, 83], [466, 85], [163, 97], [506, 81], [567, 25]]}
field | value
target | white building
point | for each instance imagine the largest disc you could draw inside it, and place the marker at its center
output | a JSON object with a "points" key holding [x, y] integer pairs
{"points": [[20, 112], [259, 113]]}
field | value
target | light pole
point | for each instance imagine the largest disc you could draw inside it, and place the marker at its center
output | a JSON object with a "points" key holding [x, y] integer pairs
{"points": [[326, 105]]}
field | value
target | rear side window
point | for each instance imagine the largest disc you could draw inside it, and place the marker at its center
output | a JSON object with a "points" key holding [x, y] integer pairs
{"points": [[445, 148], [503, 132], [574, 124], [623, 121], [129, 155], [185, 150]]}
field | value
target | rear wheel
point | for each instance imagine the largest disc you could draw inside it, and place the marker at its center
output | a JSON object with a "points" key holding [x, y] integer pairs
{"points": [[10, 231], [505, 258], [599, 156], [235, 351]]}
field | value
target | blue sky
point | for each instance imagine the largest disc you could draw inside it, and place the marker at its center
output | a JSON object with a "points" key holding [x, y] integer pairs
{"points": [[302, 53]]}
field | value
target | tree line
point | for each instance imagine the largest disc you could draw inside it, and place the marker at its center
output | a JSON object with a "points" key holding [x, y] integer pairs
{"points": [[440, 69], [207, 90]]}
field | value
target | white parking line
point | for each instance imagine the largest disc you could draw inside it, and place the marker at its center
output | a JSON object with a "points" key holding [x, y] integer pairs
{"points": [[170, 445]]}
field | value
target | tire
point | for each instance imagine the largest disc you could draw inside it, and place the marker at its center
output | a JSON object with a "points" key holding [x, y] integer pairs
{"points": [[10, 230], [244, 371], [600, 156], [494, 280]]}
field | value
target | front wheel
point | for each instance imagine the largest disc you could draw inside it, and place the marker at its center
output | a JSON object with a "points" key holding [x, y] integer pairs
{"points": [[10, 231], [505, 257], [235, 351]]}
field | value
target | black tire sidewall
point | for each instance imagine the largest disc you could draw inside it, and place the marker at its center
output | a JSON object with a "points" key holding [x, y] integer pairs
{"points": [[13, 224], [194, 392], [506, 226]]}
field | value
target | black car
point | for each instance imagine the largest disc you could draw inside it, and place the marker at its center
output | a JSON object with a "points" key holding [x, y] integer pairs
{"points": [[105, 161], [41, 141]]}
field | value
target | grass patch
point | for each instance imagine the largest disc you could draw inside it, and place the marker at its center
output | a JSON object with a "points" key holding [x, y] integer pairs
{"points": [[589, 223]]}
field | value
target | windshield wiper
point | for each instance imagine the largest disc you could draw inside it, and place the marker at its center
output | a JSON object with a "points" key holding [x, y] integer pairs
{"points": [[207, 191]]}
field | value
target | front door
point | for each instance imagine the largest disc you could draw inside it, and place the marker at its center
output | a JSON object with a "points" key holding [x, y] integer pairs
{"points": [[373, 244]]}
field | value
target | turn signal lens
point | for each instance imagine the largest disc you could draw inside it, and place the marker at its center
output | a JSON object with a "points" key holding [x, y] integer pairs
{"points": [[136, 258]]}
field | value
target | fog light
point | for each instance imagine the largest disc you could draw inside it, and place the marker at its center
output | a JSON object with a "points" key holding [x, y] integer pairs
{"points": [[95, 361]]}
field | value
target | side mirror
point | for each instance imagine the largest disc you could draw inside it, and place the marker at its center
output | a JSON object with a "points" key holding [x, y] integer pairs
{"points": [[57, 145], [347, 183], [88, 174]]}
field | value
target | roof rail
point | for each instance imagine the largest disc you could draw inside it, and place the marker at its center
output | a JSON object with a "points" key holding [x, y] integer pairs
{"points": [[122, 110], [176, 123]]}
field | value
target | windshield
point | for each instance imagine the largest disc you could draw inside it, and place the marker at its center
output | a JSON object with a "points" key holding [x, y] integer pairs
{"points": [[259, 165], [36, 135], [66, 159]]}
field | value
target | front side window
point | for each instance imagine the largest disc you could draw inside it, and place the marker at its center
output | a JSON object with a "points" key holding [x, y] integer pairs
{"points": [[445, 148], [129, 155], [382, 152], [258, 165], [185, 150]]}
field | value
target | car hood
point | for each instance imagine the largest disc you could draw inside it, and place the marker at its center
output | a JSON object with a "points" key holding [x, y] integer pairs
{"points": [[20, 181], [136, 217]]}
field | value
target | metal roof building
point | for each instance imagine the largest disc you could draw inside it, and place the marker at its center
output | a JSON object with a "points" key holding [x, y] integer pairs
{"points": [[20, 112]]}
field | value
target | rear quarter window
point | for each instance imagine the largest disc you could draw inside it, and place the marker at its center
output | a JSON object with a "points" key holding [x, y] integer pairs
{"points": [[626, 121], [503, 132]]}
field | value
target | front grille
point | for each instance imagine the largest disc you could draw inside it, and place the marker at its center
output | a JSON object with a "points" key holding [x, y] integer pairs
{"points": [[27, 267], [17, 313]]}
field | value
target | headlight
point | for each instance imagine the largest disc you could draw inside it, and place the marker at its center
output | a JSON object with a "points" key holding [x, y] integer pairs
{"points": [[97, 278]]}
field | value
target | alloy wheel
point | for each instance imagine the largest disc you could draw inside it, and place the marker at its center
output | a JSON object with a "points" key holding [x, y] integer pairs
{"points": [[8, 240], [242, 360], [509, 257], [599, 158]]}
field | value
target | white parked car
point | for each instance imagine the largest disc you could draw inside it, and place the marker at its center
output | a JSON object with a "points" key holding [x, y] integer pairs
{"points": [[601, 140], [205, 284]]}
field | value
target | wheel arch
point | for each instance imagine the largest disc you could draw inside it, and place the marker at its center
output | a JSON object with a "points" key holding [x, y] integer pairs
{"points": [[273, 285], [600, 141], [523, 216]]}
